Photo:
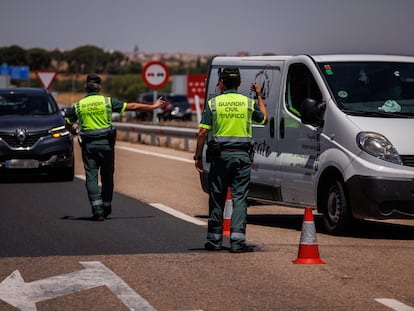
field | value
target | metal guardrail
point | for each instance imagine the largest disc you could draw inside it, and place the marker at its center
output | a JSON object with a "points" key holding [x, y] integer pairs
{"points": [[168, 136]]}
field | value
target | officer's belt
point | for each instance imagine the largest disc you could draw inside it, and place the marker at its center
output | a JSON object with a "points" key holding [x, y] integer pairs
{"points": [[96, 134], [230, 148]]}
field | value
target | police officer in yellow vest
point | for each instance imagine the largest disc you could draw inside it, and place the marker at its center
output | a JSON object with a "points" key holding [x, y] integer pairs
{"points": [[93, 113], [229, 116]]}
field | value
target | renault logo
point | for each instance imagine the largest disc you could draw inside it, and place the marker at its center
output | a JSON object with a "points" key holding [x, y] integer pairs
{"points": [[20, 135]]}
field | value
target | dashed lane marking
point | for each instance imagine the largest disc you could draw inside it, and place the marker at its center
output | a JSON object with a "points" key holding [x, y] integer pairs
{"points": [[155, 154], [178, 214]]}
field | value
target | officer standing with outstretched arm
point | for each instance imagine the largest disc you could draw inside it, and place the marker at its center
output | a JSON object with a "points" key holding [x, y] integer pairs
{"points": [[93, 113], [229, 116]]}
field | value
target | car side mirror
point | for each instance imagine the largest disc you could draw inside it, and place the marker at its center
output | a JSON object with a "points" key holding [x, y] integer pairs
{"points": [[312, 112], [67, 112]]}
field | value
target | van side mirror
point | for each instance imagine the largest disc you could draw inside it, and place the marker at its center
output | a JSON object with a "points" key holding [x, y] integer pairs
{"points": [[312, 112]]}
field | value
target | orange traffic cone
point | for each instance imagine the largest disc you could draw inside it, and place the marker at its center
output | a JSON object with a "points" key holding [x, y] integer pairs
{"points": [[228, 210], [308, 248]]}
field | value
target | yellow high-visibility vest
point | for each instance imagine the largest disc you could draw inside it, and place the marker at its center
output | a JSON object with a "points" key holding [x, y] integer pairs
{"points": [[232, 117], [94, 112]]}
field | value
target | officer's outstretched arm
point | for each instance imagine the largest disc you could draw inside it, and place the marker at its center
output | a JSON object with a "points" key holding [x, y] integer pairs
{"points": [[141, 106]]}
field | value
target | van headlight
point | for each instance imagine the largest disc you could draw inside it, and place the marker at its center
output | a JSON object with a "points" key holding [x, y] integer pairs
{"points": [[58, 132], [378, 146]]}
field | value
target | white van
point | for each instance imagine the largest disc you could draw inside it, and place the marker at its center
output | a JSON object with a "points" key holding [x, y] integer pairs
{"points": [[339, 137]]}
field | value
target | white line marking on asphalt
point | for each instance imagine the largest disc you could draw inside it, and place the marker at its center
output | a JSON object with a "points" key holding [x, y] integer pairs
{"points": [[394, 304], [178, 214], [155, 154], [24, 295], [168, 210]]}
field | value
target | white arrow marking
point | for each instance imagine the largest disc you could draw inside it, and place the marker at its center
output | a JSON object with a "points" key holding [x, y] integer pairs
{"points": [[16, 292], [394, 304]]}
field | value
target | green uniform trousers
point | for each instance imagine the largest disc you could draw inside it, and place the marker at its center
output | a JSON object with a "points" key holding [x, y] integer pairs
{"points": [[98, 155], [230, 169]]}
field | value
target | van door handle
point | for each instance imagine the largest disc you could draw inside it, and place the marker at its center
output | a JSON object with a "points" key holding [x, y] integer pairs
{"points": [[272, 127], [282, 128]]}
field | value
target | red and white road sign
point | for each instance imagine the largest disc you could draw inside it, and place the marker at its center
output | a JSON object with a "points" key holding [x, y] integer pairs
{"points": [[46, 77], [196, 87], [155, 74]]}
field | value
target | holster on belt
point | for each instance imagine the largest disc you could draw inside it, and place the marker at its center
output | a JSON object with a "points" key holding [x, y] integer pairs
{"points": [[213, 151]]}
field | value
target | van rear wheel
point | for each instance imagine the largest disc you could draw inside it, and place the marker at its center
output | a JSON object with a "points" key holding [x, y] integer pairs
{"points": [[336, 212]]}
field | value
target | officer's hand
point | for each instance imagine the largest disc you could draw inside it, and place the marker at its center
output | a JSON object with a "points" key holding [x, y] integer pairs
{"points": [[256, 88], [199, 165], [158, 103], [74, 130]]}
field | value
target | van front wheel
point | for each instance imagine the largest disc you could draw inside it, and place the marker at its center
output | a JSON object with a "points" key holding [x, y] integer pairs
{"points": [[336, 212]]}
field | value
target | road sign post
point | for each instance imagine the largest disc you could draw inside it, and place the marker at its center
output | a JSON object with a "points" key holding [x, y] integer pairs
{"points": [[155, 75]]}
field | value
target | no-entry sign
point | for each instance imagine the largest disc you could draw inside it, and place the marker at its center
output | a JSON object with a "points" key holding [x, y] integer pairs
{"points": [[155, 74]]}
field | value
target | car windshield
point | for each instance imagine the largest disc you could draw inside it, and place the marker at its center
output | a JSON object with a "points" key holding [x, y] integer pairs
{"points": [[372, 88], [179, 101], [26, 104]]}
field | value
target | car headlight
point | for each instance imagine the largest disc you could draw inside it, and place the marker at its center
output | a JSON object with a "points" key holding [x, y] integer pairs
{"points": [[378, 146], [59, 132]]}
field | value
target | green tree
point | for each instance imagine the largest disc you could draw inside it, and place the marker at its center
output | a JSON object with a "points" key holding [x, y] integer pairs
{"points": [[13, 56], [124, 87], [57, 59], [38, 59], [86, 59]]}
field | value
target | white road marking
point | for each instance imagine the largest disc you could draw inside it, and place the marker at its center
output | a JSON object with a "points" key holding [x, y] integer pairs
{"points": [[178, 214], [168, 210], [155, 154], [24, 296], [394, 304], [160, 206]]}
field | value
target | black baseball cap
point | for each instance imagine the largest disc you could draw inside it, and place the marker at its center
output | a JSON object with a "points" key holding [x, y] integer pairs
{"points": [[230, 73], [92, 78]]}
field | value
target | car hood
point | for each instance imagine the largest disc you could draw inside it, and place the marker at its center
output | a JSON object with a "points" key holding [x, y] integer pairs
{"points": [[30, 123]]}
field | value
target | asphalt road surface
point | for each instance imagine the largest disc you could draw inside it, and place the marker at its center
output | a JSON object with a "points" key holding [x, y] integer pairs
{"points": [[53, 219], [53, 257]]}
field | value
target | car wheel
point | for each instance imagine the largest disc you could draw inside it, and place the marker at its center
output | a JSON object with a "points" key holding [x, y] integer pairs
{"points": [[337, 217], [69, 174]]}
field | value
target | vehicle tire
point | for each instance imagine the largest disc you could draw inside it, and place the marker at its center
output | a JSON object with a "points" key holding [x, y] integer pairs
{"points": [[336, 212], [68, 173], [65, 174]]}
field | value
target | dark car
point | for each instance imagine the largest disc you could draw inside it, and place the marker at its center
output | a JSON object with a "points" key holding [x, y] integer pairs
{"points": [[177, 107], [33, 137], [148, 98]]}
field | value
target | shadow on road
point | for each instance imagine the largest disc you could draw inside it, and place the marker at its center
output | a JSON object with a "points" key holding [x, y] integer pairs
{"points": [[368, 229]]}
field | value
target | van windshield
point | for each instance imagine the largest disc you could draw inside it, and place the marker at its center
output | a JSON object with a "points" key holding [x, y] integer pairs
{"points": [[372, 88]]}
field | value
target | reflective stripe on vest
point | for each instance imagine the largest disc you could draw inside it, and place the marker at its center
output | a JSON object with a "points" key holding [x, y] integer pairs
{"points": [[237, 115], [94, 112]]}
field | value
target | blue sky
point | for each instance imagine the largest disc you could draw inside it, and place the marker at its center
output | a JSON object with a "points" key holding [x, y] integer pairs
{"points": [[212, 26]]}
